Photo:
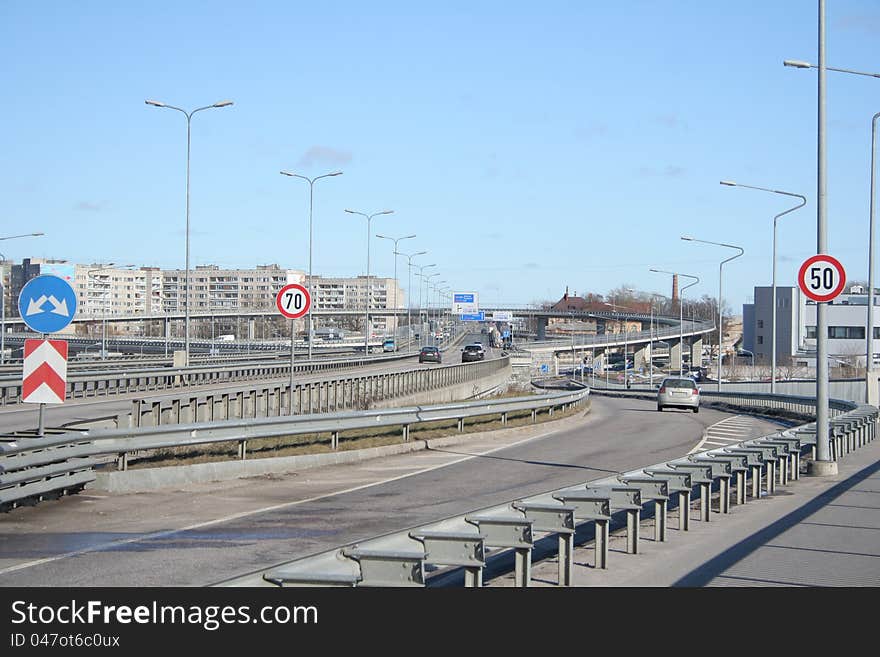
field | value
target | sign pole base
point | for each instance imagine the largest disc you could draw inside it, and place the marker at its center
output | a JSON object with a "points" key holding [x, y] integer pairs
{"points": [[41, 425]]}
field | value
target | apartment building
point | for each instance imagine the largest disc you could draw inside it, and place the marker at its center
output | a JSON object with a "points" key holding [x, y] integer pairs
{"points": [[330, 293], [107, 291], [213, 288]]}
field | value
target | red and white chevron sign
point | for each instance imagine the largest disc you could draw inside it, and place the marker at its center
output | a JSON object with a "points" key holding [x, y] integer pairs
{"points": [[45, 371]]}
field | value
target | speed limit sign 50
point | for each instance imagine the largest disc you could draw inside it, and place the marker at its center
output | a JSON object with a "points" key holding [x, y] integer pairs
{"points": [[293, 301], [821, 277]]}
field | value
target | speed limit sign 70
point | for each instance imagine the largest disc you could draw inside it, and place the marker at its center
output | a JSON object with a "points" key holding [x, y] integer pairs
{"points": [[821, 277], [293, 301]]}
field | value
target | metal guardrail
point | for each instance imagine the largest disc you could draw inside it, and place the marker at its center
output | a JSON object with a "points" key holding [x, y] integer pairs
{"points": [[793, 404], [610, 339], [403, 558], [33, 467], [353, 392], [86, 384]]}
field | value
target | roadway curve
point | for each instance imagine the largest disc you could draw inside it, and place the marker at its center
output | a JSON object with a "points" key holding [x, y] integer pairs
{"points": [[208, 533]]}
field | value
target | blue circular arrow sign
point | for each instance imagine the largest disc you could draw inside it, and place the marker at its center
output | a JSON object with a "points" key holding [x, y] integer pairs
{"points": [[47, 303]]}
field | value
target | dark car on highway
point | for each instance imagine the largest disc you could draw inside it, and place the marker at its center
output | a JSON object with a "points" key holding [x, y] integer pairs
{"points": [[472, 352], [430, 355]]}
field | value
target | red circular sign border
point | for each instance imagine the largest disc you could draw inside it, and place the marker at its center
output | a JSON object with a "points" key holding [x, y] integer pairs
{"points": [[293, 286], [834, 262]]}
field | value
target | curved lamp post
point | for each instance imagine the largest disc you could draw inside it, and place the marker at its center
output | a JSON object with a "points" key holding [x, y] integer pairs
{"points": [[188, 115], [773, 297], [396, 286], [421, 274], [369, 218], [823, 451], [720, 310], [311, 181], [409, 257]]}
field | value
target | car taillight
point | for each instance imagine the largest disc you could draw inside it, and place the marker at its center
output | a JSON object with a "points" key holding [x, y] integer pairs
{"points": [[663, 390], [695, 392]]}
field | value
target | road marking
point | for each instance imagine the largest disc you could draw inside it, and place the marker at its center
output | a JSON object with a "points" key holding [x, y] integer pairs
{"points": [[728, 431], [244, 514]]}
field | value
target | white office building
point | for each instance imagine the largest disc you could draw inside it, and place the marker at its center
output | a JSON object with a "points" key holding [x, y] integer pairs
{"points": [[796, 327]]}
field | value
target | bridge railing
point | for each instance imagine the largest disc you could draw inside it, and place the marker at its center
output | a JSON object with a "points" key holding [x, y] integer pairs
{"points": [[63, 462], [460, 546]]}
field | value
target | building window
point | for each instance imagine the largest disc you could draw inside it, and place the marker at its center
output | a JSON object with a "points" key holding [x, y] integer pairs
{"points": [[811, 332], [760, 323], [760, 339], [846, 332]]}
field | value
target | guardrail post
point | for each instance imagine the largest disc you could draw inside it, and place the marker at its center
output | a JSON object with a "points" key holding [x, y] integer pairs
{"points": [[602, 539], [460, 425], [242, 449], [156, 413], [334, 440], [704, 502], [632, 531], [741, 487], [122, 462], [406, 433], [523, 567], [684, 510], [136, 412], [660, 520], [504, 418]]}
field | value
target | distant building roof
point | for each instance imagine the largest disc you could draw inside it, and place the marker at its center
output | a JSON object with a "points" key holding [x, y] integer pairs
{"points": [[593, 305]]}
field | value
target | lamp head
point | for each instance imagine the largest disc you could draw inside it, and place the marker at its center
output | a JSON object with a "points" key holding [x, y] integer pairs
{"points": [[154, 103], [729, 183], [222, 103], [795, 63], [687, 238]]}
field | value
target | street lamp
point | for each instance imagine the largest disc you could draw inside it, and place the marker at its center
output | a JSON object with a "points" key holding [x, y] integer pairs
{"points": [[651, 337], [720, 309], [395, 240], [436, 285], [423, 339], [311, 182], [794, 63], [421, 275], [188, 115], [773, 314], [369, 218], [3, 297], [869, 356], [680, 315], [409, 257]]}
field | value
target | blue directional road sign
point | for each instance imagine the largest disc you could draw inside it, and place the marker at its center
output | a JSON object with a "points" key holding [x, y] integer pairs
{"points": [[47, 304], [473, 317]]}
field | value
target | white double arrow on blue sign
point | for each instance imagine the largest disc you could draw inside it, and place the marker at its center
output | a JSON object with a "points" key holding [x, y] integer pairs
{"points": [[47, 303], [58, 307]]}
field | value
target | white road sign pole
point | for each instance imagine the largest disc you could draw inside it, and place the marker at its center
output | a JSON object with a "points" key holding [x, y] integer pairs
{"points": [[293, 301]]}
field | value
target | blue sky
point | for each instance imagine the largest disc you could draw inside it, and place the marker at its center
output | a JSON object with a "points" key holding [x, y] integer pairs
{"points": [[529, 146]]}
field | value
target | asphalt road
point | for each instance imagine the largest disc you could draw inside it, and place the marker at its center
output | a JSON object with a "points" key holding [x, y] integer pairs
{"points": [[208, 533]]}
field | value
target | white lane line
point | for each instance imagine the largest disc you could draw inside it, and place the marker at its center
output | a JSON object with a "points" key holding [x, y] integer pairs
{"points": [[245, 514]]}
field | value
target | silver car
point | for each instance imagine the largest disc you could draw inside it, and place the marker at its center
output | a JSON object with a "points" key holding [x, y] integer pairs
{"points": [[680, 392]]}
